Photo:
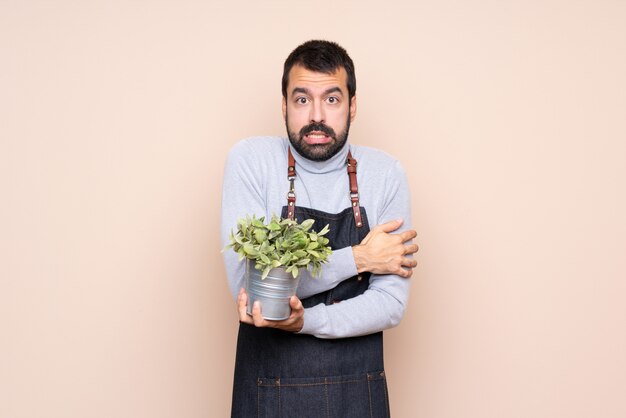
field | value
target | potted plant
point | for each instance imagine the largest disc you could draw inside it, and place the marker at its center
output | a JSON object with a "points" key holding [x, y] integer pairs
{"points": [[276, 253]]}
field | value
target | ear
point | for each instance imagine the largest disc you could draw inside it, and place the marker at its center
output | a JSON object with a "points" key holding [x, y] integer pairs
{"points": [[353, 108], [284, 108]]}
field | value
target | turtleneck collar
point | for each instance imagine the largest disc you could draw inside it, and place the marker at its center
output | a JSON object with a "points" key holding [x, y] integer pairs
{"points": [[337, 161]]}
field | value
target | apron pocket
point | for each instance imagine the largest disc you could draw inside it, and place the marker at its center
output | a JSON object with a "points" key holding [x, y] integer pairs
{"points": [[361, 395], [379, 397]]}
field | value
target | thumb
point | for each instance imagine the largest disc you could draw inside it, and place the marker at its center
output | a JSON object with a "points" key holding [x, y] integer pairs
{"points": [[295, 303], [391, 225]]}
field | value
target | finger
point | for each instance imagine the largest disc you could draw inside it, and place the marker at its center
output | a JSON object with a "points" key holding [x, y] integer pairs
{"points": [[246, 319], [408, 235], [409, 262], [242, 302], [390, 226], [256, 314], [405, 273], [242, 297], [411, 249]]}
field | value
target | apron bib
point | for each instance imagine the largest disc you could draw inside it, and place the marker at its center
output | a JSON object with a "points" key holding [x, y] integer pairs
{"points": [[282, 374]]}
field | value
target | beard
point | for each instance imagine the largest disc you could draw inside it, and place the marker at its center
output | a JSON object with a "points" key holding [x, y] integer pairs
{"points": [[317, 152]]}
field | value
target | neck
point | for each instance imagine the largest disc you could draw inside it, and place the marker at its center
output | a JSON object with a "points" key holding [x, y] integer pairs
{"points": [[337, 161]]}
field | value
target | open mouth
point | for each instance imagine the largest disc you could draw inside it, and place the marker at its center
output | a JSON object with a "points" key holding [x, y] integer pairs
{"points": [[316, 138]]}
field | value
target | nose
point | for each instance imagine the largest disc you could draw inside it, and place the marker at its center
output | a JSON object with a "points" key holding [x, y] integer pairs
{"points": [[317, 112]]}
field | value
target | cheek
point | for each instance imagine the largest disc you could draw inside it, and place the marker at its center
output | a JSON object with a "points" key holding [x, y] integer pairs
{"points": [[338, 120], [295, 119]]}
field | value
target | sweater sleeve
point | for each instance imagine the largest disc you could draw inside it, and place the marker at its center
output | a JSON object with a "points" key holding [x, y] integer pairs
{"points": [[340, 266], [383, 304], [242, 194]]}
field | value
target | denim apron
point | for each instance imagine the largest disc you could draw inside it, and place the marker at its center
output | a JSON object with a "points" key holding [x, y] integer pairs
{"points": [[282, 374]]}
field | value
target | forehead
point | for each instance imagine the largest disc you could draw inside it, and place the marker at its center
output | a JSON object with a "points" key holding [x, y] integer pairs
{"points": [[313, 80]]}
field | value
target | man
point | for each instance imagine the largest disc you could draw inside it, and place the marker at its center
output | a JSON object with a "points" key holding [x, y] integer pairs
{"points": [[326, 359]]}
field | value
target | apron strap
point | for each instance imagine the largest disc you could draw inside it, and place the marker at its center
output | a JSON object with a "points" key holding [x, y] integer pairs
{"points": [[291, 194], [354, 188]]}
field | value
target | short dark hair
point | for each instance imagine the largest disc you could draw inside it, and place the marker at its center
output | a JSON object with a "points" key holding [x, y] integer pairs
{"points": [[320, 56]]}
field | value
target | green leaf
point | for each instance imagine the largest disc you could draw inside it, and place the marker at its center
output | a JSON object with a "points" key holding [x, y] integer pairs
{"points": [[324, 230], [284, 260], [274, 226], [266, 271], [257, 223], [236, 237], [250, 250], [274, 234], [303, 262], [306, 225], [314, 253], [293, 270], [260, 236]]}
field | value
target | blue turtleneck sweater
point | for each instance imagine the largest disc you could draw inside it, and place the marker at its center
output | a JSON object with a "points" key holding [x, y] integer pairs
{"points": [[255, 182]]}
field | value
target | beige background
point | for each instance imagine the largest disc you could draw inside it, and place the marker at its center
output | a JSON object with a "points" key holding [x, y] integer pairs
{"points": [[116, 116]]}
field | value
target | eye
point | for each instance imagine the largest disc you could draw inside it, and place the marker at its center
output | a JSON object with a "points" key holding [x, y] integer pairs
{"points": [[333, 100], [302, 100]]}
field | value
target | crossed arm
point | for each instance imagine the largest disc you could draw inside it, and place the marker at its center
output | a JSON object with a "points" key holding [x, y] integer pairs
{"points": [[380, 252]]}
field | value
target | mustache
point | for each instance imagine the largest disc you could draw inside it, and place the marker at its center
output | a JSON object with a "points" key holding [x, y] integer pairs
{"points": [[317, 127]]}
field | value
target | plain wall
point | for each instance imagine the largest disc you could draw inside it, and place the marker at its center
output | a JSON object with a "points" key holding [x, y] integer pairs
{"points": [[116, 117]]}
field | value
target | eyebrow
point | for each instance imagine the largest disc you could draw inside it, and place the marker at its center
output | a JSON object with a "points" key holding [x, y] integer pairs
{"points": [[306, 91]]}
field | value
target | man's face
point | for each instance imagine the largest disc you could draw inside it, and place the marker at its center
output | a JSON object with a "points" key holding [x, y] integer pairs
{"points": [[318, 112]]}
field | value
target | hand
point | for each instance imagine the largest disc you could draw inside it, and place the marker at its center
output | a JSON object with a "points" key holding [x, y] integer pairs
{"points": [[294, 323], [381, 252]]}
